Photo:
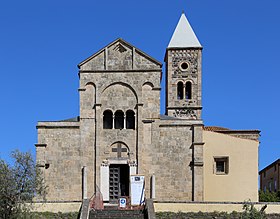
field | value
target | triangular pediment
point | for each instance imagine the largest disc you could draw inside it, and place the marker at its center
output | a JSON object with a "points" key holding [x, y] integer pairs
{"points": [[119, 56]]}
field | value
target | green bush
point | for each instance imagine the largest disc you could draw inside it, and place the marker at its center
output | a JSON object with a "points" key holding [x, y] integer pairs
{"points": [[269, 196], [48, 215], [250, 212]]}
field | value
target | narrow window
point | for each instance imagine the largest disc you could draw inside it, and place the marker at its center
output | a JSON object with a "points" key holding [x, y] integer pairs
{"points": [[188, 90], [180, 92], [130, 119], [221, 165], [119, 119], [107, 119]]}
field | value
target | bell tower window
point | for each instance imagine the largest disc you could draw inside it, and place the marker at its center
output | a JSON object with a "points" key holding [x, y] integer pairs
{"points": [[188, 90], [107, 119], [180, 90]]}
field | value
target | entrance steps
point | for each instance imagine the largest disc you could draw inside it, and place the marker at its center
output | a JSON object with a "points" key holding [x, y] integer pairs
{"points": [[115, 213]]}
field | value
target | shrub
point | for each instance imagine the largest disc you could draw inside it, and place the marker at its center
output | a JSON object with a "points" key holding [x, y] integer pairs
{"points": [[250, 212], [269, 196]]}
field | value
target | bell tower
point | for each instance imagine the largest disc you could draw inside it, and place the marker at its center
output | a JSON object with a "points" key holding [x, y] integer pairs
{"points": [[183, 73]]}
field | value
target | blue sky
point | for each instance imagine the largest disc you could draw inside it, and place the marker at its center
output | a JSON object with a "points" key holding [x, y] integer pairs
{"points": [[41, 43]]}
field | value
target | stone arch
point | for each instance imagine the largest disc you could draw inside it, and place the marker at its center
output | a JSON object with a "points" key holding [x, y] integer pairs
{"points": [[180, 90], [87, 100], [148, 83], [118, 96], [130, 119], [147, 99], [90, 83], [90, 92], [188, 90], [108, 119], [123, 84], [189, 81], [119, 119]]}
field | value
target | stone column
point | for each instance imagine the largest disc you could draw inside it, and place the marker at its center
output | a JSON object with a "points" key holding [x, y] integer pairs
{"points": [[113, 125], [98, 161], [139, 136], [153, 186], [84, 179], [124, 122]]}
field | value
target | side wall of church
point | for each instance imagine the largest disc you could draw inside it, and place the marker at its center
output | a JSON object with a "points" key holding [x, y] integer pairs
{"points": [[240, 182], [59, 155]]}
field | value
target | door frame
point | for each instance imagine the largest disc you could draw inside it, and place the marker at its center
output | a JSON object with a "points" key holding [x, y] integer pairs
{"points": [[104, 174]]}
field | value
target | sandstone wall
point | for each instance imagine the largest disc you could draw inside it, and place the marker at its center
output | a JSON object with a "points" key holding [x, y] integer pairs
{"points": [[59, 156]]}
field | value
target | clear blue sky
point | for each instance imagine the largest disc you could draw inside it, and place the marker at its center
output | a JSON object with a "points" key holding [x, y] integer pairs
{"points": [[41, 42]]}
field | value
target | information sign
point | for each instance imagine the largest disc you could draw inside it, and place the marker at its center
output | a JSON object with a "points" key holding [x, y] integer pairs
{"points": [[137, 188]]}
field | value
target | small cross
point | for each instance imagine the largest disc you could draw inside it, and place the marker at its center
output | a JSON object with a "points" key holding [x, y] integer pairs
{"points": [[119, 150]]}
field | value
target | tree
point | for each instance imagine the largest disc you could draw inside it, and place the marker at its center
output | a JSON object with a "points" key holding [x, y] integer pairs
{"points": [[19, 183], [269, 196]]}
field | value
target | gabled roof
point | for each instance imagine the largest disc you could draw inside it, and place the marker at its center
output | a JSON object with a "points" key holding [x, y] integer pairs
{"points": [[120, 40], [184, 36]]}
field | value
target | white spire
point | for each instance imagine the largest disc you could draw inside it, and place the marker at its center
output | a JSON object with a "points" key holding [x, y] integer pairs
{"points": [[183, 36]]}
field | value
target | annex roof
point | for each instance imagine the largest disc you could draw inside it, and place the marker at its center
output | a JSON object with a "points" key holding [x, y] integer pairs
{"points": [[246, 134], [184, 36], [225, 130]]}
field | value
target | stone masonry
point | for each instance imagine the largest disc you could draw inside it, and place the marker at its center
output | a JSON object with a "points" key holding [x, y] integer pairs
{"points": [[122, 78], [120, 132]]}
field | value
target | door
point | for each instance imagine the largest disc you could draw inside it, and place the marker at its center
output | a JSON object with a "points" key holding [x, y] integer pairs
{"points": [[118, 181]]}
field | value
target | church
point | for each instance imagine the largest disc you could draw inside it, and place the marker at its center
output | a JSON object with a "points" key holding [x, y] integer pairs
{"points": [[121, 133]]}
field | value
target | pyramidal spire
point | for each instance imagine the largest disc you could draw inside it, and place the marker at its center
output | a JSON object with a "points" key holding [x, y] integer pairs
{"points": [[184, 36]]}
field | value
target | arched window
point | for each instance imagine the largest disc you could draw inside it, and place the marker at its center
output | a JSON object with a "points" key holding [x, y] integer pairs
{"points": [[180, 90], [119, 119], [189, 90], [107, 119], [130, 119]]}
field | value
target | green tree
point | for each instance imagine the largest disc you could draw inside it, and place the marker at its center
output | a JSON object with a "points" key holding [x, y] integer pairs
{"points": [[269, 196], [19, 183]]}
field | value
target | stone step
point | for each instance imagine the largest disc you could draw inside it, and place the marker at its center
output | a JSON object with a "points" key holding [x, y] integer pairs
{"points": [[111, 207], [126, 214]]}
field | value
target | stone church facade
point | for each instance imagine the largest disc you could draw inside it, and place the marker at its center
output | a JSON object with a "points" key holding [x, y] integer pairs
{"points": [[120, 132]]}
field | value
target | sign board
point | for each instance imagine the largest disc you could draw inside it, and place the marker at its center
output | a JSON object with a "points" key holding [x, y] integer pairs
{"points": [[137, 189], [122, 202]]}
